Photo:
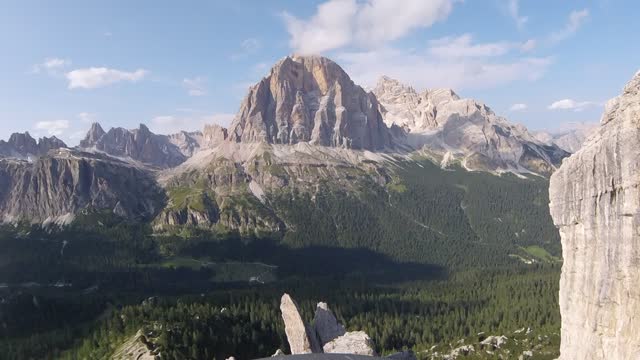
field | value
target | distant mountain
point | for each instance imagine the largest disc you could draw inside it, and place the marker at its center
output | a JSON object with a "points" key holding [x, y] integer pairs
{"points": [[23, 146], [463, 130], [310, 161], [141, 145], [570, 139]]}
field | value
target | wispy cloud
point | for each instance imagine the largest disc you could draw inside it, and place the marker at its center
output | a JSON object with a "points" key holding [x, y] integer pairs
{"points": [[576, 19], [195, 86], [52, 128], [171, 124], [454, 62], [518, 107], [95, 77], [463, 46], [248, 47], [373, 23], [514, 12], [87, 117], [51, 65], [570, 104]]}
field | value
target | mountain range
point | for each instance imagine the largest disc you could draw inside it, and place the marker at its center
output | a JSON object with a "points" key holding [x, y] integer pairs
{"points": [[306, 124]]}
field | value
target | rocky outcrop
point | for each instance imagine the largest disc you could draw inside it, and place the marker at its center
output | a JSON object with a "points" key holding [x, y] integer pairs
{"points": [[56, 187], [187, 142], [595, 203], [23, 146], [326, 325], [310, 99], [138, 144], [136, 347], [356, 342], [297, 331], [326, 335], [214, 135], [465, 131]]}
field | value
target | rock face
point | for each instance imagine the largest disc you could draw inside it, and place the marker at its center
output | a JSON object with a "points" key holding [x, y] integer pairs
{"points": [[356, 342], [595, 203], [310, 99], [295, 327], [56, 187], [187, 142], [463, 130], [214, 135], [23, 146], [326, 335], [326, 325], [138, 144]]}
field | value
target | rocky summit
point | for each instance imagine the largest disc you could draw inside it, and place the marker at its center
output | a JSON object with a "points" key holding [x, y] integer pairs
{"points": [[23, 146], [310, 99], [139, 144], [595, 202], [465, 131]]}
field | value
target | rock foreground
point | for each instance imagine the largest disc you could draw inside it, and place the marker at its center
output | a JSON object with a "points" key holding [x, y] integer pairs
{"points": [[325, 335], [595, 202]]}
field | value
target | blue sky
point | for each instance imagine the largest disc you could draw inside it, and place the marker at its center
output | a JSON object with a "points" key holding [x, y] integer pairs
{"points": [[177, 65]]}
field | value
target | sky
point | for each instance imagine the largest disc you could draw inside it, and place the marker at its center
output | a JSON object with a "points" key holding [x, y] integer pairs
{"points": [[177, 65]]}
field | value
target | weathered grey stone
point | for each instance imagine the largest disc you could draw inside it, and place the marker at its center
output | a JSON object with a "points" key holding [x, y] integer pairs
{"points": [[310, 99], [357, 343], [56, 187], [294, 327], [138, 144], [23, 146], [451, 129], [326, 325], [595, 203]]}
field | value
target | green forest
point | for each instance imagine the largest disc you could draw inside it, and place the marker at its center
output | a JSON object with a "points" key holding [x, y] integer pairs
{"points": [[433, 257]]}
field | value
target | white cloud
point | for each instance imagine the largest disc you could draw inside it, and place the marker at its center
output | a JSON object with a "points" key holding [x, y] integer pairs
{"points": [[95, 77], [461, 46], [339, 23], [51, 65], [87, 117], [570, 104], [52, 128], [518, 107], [195, 86], [514, 12], [576, 19], [250, 45], [422, 70], [170, 124], [528, 45]]}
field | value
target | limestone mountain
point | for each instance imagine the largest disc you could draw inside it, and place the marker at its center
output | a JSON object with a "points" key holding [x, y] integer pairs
{"points": [[139, 144], [23, 146], [453, 129], [310, 99], [57, 187], [570, 140], [594, 202]]}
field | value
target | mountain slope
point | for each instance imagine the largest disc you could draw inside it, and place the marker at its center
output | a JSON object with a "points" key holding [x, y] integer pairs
{"points": [[454, 129], [57, 187], [140, 144]]}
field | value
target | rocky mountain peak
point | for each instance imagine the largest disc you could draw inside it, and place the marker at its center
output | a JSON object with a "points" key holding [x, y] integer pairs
{"points": [[23, 145], [310, 99], [93, 135], [138, 144]]}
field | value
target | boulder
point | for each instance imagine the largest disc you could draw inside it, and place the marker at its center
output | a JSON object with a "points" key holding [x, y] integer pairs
{"points": [[326, 325], [357, 343]]}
